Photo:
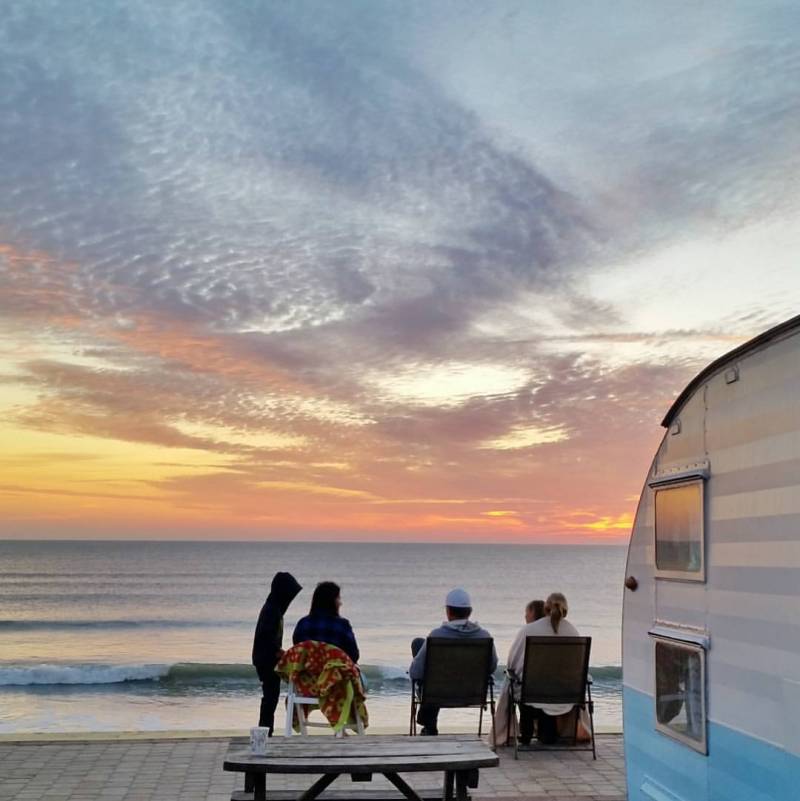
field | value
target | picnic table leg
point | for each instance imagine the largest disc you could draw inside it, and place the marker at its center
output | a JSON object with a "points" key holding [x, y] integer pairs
{"points": [[449, 781], [259, 786], [406, 789], [319, 786], [248, 782], [461, 786]]}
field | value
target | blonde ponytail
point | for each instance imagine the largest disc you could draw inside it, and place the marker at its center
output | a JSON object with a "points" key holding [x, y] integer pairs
{"points": [[556, 608]]}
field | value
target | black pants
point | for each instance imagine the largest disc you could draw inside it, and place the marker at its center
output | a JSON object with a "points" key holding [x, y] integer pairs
{"points": [[546, 725], [427, 714], [271, 690]]}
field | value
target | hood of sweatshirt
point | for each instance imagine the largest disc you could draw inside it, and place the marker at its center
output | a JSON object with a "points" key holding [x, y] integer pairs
{"points": [[462, 626], [283, 591]]}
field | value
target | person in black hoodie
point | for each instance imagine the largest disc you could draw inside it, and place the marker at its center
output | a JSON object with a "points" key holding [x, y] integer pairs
{"points": [[268, 643]]}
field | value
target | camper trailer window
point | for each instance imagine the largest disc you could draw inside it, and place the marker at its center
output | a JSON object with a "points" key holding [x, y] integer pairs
{"points": [[680, 692], [679, 531]]}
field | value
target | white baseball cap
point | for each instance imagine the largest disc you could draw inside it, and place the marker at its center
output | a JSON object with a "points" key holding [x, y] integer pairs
{"points": [[458, 599]]}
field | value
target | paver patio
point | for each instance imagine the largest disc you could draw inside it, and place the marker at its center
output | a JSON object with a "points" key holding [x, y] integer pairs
{"points": [[191, 770]]}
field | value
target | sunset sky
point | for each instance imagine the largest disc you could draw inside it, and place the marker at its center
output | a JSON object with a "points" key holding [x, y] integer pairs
{"points": [[371, 270]]}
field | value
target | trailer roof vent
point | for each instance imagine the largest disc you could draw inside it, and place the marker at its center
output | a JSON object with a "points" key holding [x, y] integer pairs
{"points": [[732, 375]]}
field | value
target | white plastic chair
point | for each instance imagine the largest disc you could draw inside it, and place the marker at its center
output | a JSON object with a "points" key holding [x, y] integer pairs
{"points": [[293, 700]]}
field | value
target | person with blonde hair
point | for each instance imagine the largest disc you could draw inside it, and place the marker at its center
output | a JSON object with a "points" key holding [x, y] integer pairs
{"points": [[553, 624]]}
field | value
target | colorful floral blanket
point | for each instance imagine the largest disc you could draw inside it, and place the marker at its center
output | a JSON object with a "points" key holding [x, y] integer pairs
{"points": [[323, 671]]}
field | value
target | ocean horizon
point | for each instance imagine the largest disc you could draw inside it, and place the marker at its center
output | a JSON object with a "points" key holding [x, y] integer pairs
{"points": [[156, 635]]}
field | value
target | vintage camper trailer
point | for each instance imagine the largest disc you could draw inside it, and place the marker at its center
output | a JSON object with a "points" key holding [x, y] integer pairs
{"points": [[711, 621]]}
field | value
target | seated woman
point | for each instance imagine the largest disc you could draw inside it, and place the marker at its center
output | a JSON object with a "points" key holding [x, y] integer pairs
{"points": [[323, 622], [552, 624], [534, 611]]}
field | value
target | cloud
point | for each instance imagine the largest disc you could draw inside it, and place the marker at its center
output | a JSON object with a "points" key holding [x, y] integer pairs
{"points": [[526, 437], [662, 122], [356, 196], [13, 489], [380, 255], [348, 186]]}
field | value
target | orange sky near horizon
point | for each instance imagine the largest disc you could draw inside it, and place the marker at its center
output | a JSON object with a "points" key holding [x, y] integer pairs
{"points": [[91, 450], [95, 448]]}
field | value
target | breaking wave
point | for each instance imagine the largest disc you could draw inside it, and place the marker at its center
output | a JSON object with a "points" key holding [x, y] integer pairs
{"points": [[379, 677], [25, 675]]}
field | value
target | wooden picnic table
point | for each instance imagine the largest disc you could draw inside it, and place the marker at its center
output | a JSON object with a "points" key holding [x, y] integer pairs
{"points": [[458, 758]]}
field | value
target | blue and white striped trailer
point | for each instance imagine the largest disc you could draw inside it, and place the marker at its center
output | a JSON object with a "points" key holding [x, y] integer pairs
{"points": [[711, 620]]}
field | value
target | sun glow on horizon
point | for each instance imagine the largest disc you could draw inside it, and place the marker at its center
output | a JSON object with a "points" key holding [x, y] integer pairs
{"points": [[604, 523]]}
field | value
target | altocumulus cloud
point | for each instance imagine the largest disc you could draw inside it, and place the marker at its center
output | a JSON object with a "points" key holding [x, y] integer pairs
{"points": [[282, 232]]}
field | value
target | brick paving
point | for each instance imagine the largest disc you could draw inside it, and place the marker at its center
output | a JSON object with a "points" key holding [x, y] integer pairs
{"points": [[191, 770]]}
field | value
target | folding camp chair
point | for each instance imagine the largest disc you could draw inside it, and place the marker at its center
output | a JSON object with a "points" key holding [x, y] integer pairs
{"points": [[295, 703], [555, 671], [458, 674]]}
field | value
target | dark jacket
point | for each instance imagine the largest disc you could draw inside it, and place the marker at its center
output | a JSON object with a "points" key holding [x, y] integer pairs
{"points": [[268, 639], [328, 628]]}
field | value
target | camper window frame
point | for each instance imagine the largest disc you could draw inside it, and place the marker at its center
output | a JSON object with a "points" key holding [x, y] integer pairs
{"points": [[698, 576], [701, 746]]}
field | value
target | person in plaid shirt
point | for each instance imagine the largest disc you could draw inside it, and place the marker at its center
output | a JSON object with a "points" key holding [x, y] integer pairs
{"points": [[324, 623]]}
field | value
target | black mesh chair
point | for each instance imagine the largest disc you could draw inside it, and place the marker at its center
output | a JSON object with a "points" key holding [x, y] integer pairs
{"points": [[555, 671], [458, 674]]}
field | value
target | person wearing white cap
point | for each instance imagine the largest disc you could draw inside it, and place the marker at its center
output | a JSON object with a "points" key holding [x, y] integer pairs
{"points": [[458, 608]]}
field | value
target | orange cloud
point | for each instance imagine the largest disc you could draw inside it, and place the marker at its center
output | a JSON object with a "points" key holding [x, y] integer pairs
{"points": [[137, 433], [604, 523]]}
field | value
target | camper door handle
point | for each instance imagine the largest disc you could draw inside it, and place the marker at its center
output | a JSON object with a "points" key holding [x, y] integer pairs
{"points": [[631, 583]]}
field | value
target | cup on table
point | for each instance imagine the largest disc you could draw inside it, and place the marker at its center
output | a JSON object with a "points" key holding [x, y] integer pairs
{"points": [[258, 740]]}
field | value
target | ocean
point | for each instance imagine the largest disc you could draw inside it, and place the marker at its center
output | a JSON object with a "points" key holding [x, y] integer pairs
{"points": [[148, 636]]}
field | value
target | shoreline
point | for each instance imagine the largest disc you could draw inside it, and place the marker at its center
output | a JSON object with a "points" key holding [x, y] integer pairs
{"points": [[200, 734]]}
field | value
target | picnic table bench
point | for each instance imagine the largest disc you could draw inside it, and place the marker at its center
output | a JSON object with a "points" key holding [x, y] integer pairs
{"points": [[458, 758]]}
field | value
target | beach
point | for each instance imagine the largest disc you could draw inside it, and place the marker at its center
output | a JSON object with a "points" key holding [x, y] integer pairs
{"points": [[147, 636]]}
